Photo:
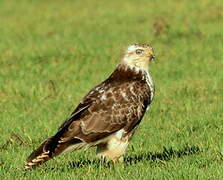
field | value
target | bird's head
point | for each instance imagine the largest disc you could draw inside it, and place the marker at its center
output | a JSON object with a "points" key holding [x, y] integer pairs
{"points": [[138, 55]]}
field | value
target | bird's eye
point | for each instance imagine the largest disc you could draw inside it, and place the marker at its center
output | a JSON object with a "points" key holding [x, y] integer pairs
{"points": [[139, 51]]}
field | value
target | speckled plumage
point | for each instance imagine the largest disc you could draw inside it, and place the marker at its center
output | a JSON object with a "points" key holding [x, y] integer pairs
{"points": [[107, 115]]}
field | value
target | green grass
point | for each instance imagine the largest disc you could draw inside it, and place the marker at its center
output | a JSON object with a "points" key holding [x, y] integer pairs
{"points": [[53, 52]]}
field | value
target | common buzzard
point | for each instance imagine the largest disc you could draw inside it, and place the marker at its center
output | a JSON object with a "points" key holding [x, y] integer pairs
{"points": [[109, 114]]}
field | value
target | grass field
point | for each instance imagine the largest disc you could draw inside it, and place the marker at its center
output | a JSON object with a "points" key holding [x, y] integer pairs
{"points": [[53, 52]]}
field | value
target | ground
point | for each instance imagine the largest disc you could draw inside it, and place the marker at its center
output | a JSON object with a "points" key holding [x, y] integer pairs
{"points": [[52, 52]]}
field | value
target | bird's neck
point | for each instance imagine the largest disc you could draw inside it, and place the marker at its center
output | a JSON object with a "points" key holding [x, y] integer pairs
{"points": [[127, 72]]}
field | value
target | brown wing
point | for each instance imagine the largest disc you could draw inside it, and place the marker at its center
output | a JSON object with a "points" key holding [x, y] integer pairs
{"points": [[106, 109], [87, 101], [118, 103]]}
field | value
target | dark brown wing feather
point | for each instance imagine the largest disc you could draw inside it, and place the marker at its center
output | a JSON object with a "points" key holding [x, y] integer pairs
{"points": [[119, 102]]}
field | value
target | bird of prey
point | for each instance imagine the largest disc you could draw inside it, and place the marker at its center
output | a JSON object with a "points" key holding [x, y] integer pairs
{"points": [[109, 114]]}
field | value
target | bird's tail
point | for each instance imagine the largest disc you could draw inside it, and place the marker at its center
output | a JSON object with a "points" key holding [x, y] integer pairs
{"points": [[60, 142], [51, 148], [39, 155]]}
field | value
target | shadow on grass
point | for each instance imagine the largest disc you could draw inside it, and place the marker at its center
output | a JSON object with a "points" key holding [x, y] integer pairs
{"points": [[166, 155]]}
